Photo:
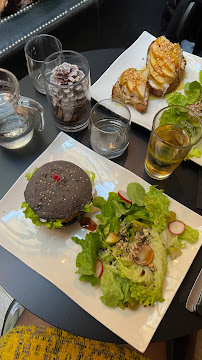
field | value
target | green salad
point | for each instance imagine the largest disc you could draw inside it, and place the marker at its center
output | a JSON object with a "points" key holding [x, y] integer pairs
{"points": [[127, 253], [192, 98]]}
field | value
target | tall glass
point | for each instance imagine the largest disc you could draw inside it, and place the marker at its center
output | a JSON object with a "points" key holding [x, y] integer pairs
{"points": [[66, 76], [37, 49], [175, 130]]}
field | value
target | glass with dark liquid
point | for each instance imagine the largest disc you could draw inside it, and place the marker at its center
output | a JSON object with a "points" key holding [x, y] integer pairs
{"points": [[171, 141]]}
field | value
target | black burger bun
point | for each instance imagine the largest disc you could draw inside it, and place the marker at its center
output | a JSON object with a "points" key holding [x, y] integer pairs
{"points": [[58, 190]]}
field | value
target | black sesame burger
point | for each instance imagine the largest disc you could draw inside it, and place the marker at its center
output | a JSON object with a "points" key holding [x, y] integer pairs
{"points": [[58, 192]]}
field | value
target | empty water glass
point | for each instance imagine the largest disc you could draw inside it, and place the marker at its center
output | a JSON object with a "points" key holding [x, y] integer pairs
{"points": [[37, 49], [110, 127]]}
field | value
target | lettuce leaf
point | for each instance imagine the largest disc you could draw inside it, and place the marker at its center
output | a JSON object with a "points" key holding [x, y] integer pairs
{"points": [[132, 271], [86, 259], [152, 292], [29, 175], [176, 98], [115, 289], [190, 235], [193, 153], [200, 76], [111, 288], [52, 224], [175, 243], [193, 91], [196, 151], [172, 244], [178, 244], [136, 193], [88, 207], [30, 214], [157, 204], [108, 225], [114, 206], [168, 238], [138, 213], [91, 278], [179, 117], [99, 202], [193, 94], [91, 175]]}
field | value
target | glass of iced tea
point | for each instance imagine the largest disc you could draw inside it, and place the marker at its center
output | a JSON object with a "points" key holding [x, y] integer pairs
{"points": [[175, 130]]}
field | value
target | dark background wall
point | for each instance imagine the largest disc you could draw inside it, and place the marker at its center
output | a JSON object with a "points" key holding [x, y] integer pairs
{"points": [[95, 24], [122, 21]]}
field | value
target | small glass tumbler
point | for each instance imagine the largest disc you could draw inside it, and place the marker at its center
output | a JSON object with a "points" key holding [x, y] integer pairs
{"points": [[175, 130], [37, 49], [66, 76], [110, 127]]}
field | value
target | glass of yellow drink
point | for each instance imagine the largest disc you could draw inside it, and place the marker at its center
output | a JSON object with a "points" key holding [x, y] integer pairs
{"points": [[175, 130]]}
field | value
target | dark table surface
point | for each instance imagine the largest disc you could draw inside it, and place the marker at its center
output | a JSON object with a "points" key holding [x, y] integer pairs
{"points": [[31, 289]]}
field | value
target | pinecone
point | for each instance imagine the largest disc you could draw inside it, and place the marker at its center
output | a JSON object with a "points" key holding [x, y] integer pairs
{"points": [[67, 74], [65, 99]]}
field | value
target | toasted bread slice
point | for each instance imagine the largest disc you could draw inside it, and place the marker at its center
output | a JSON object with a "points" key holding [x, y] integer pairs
{"points": [[166, 65], [132, 88]]}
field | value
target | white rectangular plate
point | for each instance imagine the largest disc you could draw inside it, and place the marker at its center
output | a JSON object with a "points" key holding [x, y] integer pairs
{"points": [[135, 56], [44, 250]]}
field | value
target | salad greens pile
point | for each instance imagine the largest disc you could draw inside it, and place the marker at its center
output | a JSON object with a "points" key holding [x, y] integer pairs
{"points": [[125, 280], [192, 98], [57, 223]]}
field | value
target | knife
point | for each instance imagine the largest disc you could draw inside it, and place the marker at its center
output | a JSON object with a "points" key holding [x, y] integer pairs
{"points": [[194, 300]]}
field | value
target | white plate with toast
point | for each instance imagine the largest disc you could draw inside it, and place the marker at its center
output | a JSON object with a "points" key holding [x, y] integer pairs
{"points": [[135, 56]]}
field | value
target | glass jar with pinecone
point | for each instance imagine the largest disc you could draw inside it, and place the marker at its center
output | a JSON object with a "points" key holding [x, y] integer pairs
{"points": [[66, 76]]}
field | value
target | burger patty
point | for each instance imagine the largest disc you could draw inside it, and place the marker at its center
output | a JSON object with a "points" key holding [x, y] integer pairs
{"points": [[58, 190]]}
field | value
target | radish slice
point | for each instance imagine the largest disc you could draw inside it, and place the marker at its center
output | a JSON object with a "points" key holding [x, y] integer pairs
{"points": [[98, 269], [124, 196], [176, 227], [143, 255]]}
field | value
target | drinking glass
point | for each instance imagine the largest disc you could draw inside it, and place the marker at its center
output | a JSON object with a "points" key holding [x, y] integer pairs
{"points": [[110, 126], [66, 76], [175, 130], [17, 113], [37, 49]]}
